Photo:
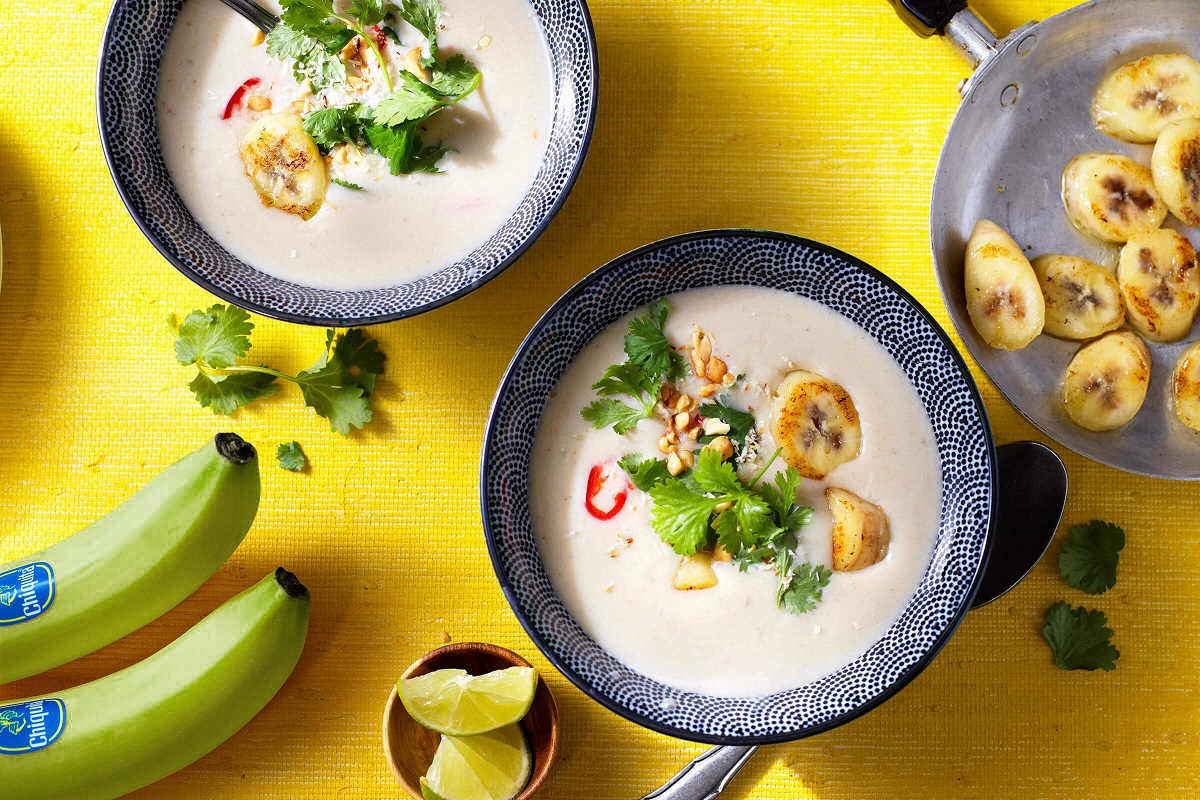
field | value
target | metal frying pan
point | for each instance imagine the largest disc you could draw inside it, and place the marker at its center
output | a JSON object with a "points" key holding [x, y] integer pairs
{"points": [[1025, 113]]}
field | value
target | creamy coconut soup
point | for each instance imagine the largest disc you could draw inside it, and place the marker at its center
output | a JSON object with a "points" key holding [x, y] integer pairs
{"points": [[327, 181], [661, 542]]}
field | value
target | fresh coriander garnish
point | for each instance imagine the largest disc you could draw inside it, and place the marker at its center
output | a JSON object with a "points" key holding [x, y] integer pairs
{"points": [[422, 15], [1089, 556], [651, 360], [622, 379], [291, 457], [644, 472], [337, 387], [646, 345], [312, 32], [347, 184], [755, 523], [1080, 639]]}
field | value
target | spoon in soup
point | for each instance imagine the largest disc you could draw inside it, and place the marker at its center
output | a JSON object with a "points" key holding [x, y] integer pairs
{"points": [[1029, 505], [252, 11]]}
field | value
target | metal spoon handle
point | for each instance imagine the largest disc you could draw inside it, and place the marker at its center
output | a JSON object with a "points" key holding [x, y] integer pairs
{"points": [[252, 11], [706, 777]]}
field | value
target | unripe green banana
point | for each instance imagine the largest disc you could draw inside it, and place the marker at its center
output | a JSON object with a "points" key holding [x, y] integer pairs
{"points": [[132, 566], [119, 733]]}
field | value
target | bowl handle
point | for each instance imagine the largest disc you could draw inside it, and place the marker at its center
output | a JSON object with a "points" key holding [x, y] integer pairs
{"points": [[706, 777]]}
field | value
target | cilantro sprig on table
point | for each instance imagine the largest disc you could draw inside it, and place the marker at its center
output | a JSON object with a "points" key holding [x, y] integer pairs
{"points": [[650, 362], [1080, 638], [1089, 556], [291, 457], [337, 387], [313, 32]]}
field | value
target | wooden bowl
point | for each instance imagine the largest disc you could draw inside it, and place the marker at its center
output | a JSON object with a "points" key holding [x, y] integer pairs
{"points": [[409, 747]]}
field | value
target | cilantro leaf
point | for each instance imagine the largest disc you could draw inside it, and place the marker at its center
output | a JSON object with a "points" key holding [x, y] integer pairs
{"points": [[608, 411], [680, 516], [393, 143], [457, 78], [371, 12], [330, 127], [291, 457], [804, 589], [740, 422], [316, 20], [781, 497], [1080, 639], [339, 385], [1089, 556], [644, 472], [216, 337], [422, 15], [426, 157], [412, 101], [390, 32], [647, 346], [715, 475], [224, 394], [347, 184], [311, 59], [627, 379]]}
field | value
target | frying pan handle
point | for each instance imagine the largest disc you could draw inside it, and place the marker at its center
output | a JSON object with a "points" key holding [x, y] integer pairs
{"points": [[928, 17]]}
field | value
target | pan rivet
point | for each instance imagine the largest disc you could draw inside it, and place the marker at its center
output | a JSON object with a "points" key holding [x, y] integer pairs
{"points": [[1009, 96], [1026, 46]]}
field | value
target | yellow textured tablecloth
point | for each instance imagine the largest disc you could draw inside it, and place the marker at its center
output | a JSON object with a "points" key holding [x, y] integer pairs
{"points": [[818, 117]]}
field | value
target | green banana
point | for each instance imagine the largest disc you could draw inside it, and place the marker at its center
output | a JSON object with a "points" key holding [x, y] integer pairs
{"points": [[132, 566], [119, 733]]}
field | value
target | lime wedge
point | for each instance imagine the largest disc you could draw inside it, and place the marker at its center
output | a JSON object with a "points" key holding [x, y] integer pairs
{"points": [[452, 702], [492, 766]]}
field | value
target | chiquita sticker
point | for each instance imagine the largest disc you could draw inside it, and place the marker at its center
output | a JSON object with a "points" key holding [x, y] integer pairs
{"points": [[31, 726], [25, 593]]}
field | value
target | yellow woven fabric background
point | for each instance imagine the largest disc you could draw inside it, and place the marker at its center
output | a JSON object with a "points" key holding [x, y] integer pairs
{"points": [[818, 117]]}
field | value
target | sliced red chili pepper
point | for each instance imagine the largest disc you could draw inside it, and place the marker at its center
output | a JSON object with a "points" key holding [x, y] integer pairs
{"points": [[607, 485], [239, 97]]}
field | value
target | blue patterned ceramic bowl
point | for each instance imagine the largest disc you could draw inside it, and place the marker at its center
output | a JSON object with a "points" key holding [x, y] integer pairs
{"points": [[880, 307], [128, 76]]}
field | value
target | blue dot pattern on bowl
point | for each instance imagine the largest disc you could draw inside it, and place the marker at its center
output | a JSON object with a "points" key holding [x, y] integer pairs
{"points": [[842, 284], [130, 54]]}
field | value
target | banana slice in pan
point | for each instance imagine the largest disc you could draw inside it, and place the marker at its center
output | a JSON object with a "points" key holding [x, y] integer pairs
{"points": [[285, 165], [1161, 284], [1107, 381], [815, 422], [1083, 300], [1186, 387], [1004, 300], [1176, 168], [1111, 197], [1135, 102]]}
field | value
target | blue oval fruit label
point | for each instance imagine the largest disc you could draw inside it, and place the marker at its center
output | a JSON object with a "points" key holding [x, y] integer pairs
{"points": [[25, 592], [31, 726]]}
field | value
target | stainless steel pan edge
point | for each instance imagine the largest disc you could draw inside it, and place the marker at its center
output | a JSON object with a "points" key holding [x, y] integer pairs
{"points": [[1026, 112]]}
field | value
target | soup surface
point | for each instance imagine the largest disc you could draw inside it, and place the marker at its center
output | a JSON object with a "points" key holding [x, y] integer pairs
{"points": [[398, 228], [616, 575]]}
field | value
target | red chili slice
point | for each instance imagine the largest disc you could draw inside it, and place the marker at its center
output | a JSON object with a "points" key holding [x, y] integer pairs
{"points": [[238, 98], [606, 482]]}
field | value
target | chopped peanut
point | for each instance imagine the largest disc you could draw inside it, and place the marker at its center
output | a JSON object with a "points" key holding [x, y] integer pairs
{"points": [[664, 445], [682, 419], [412, 63], [687, 458], [259, 38], [710, 389], [674, 464], [715, 427], [728, 379], [715, 370], [722, 445], [257, 102], [725, 506], [680, 404], [693, 433]]}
